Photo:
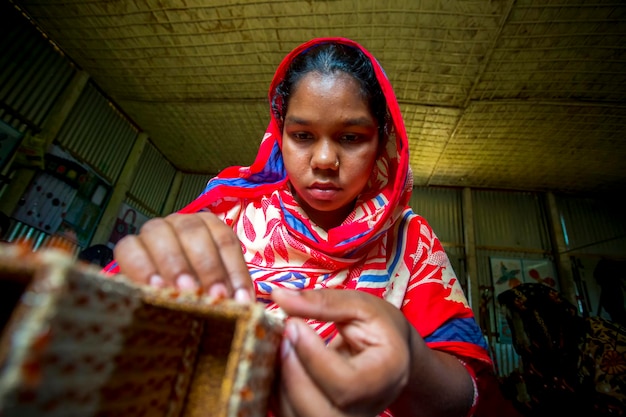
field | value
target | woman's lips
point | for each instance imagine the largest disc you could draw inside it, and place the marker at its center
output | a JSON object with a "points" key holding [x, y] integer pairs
{"points": [[324, 191]]}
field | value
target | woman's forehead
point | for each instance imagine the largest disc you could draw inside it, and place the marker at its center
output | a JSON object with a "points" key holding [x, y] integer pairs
{"points": [[319, 82], [338, 93]]}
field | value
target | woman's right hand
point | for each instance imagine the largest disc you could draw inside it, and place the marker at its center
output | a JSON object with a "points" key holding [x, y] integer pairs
{"points": [[189, 252]]}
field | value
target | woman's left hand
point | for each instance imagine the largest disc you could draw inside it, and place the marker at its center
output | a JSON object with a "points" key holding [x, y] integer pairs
{"points": [[364, 368]]}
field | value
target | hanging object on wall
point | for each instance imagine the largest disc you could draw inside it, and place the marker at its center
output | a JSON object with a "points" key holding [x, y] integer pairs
{"points": [[124, 225], [9, 140], [45, 203], [129, 220], [31, 152], [65, 199]]}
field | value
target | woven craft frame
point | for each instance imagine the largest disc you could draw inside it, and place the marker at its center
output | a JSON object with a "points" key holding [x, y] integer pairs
{"points": [[77, 343]]}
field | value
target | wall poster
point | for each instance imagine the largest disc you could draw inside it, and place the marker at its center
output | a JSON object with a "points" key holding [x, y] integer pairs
{"points": [[507, 273]]}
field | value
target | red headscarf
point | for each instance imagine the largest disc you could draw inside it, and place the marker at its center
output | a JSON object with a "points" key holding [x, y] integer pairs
{"points": [[377, 210]]}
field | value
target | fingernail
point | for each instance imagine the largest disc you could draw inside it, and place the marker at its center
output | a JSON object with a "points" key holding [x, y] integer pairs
{"points": [[285, 348], [289, 339], [291, 331], [218, 290], [156, 281], [186, 282], [242, 296]]}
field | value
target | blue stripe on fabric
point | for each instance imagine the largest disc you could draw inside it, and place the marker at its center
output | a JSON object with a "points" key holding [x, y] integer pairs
{"points": [[229, 182], [459, 330], [294, 279], [374, 277], [296, 223], [274, 168], [112, 266], [354, 238], [299, 226], [273, 172], [400, 241], [381, 202], [264, 286], [371, 239]]}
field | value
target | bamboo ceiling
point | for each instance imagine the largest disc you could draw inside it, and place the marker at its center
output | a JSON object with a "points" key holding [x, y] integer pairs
{"points": [[524, 95]]}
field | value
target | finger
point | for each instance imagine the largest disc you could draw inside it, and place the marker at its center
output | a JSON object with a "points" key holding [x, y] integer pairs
{"points": [[339, 306], [300, 395], [329, 305], [360, 310], [232, 264], [167, 254], [376, 346], [135, 262], [363, 382], [202, 253]]}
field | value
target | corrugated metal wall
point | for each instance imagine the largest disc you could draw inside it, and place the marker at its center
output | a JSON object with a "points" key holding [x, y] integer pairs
{"points": [[443, 210], [593, 229], [511, 224], [513, 221], [507, 225], [152, 181], [97, 133], [32, 72], [593, 226], [191, 187]]}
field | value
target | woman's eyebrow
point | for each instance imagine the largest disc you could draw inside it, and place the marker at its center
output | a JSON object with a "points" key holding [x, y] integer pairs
{"points": [[358, 121], [297, 120]]}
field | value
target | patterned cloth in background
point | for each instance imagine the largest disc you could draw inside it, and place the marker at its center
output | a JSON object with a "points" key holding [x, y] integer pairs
{"points": [[571, 364]]}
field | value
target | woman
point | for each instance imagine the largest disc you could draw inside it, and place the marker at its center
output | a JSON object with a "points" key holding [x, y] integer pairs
{"points": [[324, 207]]}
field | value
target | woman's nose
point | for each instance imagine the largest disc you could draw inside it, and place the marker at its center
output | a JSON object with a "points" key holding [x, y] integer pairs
{"points": [[325, 155]]}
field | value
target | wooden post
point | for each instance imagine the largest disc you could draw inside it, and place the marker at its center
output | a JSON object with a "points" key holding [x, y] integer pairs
{"points": [[559, 249], [470, 252], [122, 186], [168, 207]]}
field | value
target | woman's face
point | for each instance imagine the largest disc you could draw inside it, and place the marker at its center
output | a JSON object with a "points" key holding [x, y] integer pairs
{"points": [[330, 144]]}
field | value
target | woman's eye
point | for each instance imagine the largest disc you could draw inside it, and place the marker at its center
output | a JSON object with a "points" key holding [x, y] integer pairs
{"points": [[301, 136], [349, 138]]}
